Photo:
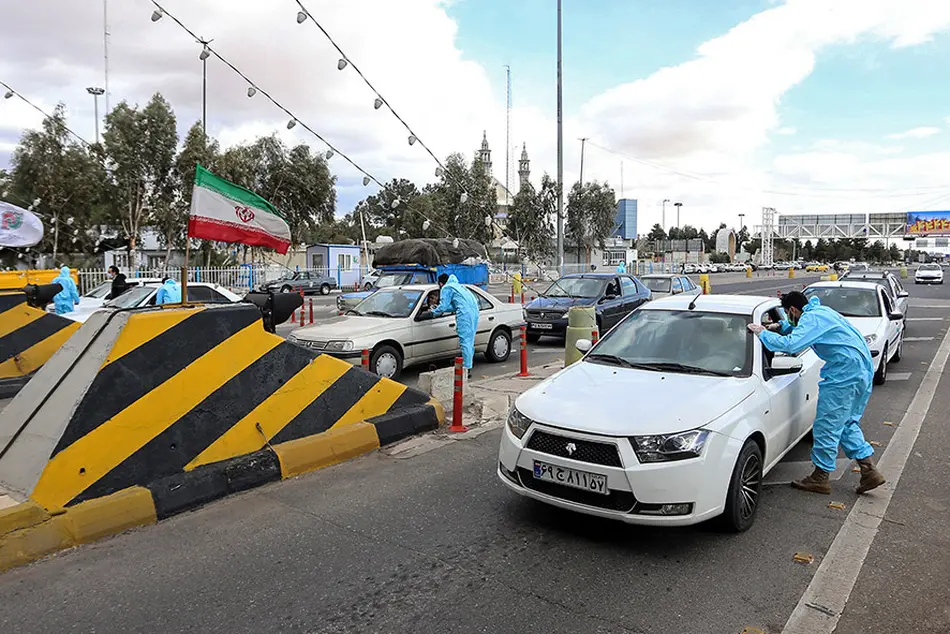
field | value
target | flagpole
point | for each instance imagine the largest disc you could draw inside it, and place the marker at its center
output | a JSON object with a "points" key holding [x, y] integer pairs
{"points": [[184, 269]]}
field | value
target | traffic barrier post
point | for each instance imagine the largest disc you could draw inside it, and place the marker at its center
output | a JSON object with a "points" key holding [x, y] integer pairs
{"points": [[364, 360], [457, 425], [311, 310], [524, 352], [594, 337]]}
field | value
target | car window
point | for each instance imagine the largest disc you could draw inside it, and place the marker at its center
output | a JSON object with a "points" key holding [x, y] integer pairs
{"points": [[576, 287], [657, 284], [677, 285], [420, 278], [483, 304], [849, 302], [393, 302], [199, 294], [887, 303], [613, 288], [132, 298], [629, 287], [100, 291]]}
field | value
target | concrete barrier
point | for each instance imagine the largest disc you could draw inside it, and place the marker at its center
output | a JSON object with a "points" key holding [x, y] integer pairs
{"points": [[191, 403], [28, 338]]}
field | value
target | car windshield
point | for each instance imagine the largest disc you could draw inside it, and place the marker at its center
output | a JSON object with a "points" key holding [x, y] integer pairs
{"points": [[395, 303], [929, 267], [100, 291], [684, 341], [132, 297], [393, 279], [576, 287], [848, 302], [657, 284]]}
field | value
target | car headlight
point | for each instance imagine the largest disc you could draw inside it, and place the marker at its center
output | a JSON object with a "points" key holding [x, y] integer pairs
{"points": [[292, 339], [870, 339], [669, 447], [339, 346], [518, 423], [339, 303]]}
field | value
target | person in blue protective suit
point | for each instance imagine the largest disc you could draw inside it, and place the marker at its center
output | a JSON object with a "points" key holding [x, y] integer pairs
{"points": [[168, 293], [455, 298], [843, 392], [622, 267], [65, 301]]}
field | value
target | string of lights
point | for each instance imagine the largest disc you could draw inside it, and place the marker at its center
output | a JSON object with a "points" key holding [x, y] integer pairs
{"points": [[254, 89], [832, 193], [10, 93]]}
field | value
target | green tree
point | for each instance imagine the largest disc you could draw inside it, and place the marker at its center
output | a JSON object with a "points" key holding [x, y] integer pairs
{"points": [[657, 233], [390, 211], [464, 216], [591, 216], [742, 237], [529, 223]]}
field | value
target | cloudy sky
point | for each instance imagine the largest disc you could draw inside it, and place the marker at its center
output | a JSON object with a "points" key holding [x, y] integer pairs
{"points": [[804, 105]]}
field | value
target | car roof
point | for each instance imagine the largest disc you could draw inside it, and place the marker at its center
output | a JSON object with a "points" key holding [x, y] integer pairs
{"points": [[655, 276], [742, 304], [594, 275], [872, 286], [869, 275]]}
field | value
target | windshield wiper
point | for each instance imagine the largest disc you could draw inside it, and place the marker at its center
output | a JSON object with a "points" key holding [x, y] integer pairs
{"points": [[378, 313], [353, 311], [610, 358], [678, 367]]}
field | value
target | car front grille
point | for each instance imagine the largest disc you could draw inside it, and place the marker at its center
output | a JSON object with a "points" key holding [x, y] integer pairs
{"points": [[544, 315], [616, 501], [582, 450]]}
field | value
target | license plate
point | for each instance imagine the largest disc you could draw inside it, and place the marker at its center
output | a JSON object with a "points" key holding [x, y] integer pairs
{"points": [[593, 482], [537, 326]]}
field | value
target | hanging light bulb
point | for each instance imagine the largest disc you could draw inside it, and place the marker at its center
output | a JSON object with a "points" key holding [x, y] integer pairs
{"points": [[378, 103], [487, 221], [426, 225], [455, 243], [439, 172], [291, 124], [75, 240], [365, 181], [8, 94], [157, 15], [70, 220], [340, 65], [395, 203], [301, 17], [412, 139], [251, 91], [76, 232], [328, 155], [205, 53], [463, 198]]}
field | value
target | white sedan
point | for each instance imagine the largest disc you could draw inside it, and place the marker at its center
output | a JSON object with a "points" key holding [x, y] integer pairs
{"points": [[144, 295], [673, 418], [869, 309], [387, 325], [928, 274]]}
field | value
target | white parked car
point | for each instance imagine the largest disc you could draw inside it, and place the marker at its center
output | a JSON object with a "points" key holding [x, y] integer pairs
{"points": [[96, 297], [869, 308], [387, 324], [673, 418], [929, 274], [144, 295], [665, 284]]}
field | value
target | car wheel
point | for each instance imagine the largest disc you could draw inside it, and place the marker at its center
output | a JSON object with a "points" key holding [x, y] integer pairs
{"points": [[881, 375], [900, 350], [533, 337], [742, 500], [324, 289], [285, 289], [499, 346], [386, 362]]}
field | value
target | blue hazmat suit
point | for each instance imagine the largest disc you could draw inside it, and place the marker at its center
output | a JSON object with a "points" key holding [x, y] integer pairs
{"points": [[65, 301], [622, 267], [846, 379], [168, 293], [456, 298]]}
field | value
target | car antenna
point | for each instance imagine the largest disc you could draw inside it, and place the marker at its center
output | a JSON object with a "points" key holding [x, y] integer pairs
{"points": [[692, 304]]}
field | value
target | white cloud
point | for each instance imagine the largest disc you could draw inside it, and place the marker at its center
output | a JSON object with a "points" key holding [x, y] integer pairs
{"points": [[921, 132], [786, 131]]}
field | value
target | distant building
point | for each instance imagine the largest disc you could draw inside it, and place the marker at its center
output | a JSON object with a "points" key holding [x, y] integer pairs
{"points": [[726, 242], [503, 196]]}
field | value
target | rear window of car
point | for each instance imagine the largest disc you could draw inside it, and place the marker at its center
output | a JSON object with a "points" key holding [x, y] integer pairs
{"points": [[848, 302], [929, 267]]}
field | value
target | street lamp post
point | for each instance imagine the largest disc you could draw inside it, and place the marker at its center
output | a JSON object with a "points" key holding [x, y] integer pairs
{"points": [[560, 151], [665, 200], [204, 84], [678, 207], [95, 92]]}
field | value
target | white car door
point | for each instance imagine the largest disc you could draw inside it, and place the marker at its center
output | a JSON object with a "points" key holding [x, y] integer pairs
{"points": [[895, 327], [434, 338], [486, 320]]}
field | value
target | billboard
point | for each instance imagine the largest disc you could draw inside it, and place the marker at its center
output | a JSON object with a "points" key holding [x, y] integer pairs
{"points": [[931, 223]]}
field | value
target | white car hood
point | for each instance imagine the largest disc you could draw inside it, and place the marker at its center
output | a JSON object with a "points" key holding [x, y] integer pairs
{"points": [[604, 399], [866, 325], [349, 327]]}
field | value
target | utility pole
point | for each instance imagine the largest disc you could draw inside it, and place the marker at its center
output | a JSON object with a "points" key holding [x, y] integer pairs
{"points": [[95, 92], [741, 225], [583, 141], [560, 151], [678, 207], [621, 180], [507, 134], [105, 47], [665, 200]]}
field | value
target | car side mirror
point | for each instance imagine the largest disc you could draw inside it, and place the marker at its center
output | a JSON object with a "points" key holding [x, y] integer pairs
{"points": [[782, 364], [903, 294], [609, 298], [895, 316], [583, 345]]}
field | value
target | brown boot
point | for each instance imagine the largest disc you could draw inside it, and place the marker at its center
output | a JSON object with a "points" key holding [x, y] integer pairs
{"points": [[871, 478], [817, 482]]}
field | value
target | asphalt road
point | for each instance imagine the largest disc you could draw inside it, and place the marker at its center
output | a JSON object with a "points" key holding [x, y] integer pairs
{"points": [[434, 543]]}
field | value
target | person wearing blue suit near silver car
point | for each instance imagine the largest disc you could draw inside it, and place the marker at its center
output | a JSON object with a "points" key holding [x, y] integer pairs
{"points": [[65, 301], [622, 268], [455, 298], [168, 293], [843, 392]]}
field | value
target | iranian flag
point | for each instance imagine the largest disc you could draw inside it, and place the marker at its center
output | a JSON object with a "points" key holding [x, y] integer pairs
{"points": [[224, 212]]}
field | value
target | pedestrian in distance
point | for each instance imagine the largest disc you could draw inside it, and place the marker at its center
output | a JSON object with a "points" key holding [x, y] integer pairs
{"points": [[119, 283], [622, 268], [843, 392], [168, 293], [66, 300], [455, 298]]}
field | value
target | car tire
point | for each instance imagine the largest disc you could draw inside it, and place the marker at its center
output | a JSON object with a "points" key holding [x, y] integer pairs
{"points": [[881, 375], [899, 353], [533, 337], [386, 361], [499, 346], [285, 289], [745, 488], [324, 289]]}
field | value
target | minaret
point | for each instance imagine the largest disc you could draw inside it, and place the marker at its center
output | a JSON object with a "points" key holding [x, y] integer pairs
{"points": [[524, 167], [484, 154]]}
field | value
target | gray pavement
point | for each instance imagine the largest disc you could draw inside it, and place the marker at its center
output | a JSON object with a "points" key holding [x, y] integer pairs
{"points": [[429, 541]]}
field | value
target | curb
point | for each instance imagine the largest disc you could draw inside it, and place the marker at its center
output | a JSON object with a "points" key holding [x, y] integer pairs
{"points": [[29, 532]]}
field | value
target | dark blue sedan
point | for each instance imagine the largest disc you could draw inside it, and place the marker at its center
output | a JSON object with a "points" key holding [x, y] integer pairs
{"points": [[612, 295]]}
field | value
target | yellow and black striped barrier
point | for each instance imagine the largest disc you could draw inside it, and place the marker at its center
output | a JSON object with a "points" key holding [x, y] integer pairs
{"points": [[193, 403], [28, 338]]}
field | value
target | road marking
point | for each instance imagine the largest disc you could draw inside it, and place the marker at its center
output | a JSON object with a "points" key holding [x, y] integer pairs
{"points": [[785, 472], [899, 376], [824, 601], [918, 338], [924, 319], [933, 306]]}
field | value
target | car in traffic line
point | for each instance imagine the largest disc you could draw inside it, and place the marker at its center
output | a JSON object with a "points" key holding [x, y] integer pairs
{"points": [[388, 325], [888, 281], [307, 282], [928, 274], [665, 284], [869, 308], [144, 295], [348, 301], [673, 418], [611, 295]]}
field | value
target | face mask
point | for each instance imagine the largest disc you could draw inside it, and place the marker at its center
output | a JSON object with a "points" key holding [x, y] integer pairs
{"points": [[792, 319]]}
